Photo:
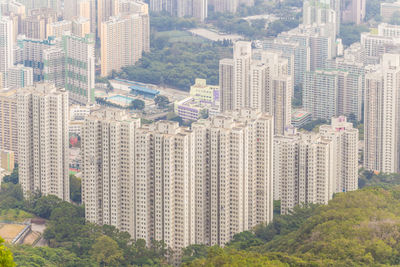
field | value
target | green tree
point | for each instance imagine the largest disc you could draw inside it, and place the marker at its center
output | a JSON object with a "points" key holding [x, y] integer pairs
{"points": [[351, 33], [297, 100], [395, 20], [193, 252], [75, 190], [6, 257], [204, 113], [13, 177], [161, 101], [11, 196], [105, 252], [137, 104], [45, 205]]}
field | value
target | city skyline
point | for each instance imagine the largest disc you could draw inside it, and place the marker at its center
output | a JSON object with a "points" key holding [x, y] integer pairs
{"points": [[176, 127]]}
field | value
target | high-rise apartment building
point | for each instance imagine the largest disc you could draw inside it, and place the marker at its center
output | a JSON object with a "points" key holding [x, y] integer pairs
{"points": [[15, 12], [388, 9], [200, 9], [376, 45], [182, 8], [225, 6], [57, 29], [42, 115], [79, 67], [297, 54], [381, 116], [317, 12], [328, 93], [320, 93], [19, 76], [35, 4], [353, 11], [123, 40], [54, 66], [345, 139], [30, 53], [183, 186], [257, 79], [241, 74], [81, 27], [226, 82], [233, 174], [305, 169], [318, 40], [108, 160], [389, 30], [141, 8], [35, 26], [8, 121], [6, 44], [105, 9], [77, 8]]}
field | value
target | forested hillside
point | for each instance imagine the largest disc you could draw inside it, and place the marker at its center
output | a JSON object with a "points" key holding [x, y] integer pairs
{"points": [[360, 228]]}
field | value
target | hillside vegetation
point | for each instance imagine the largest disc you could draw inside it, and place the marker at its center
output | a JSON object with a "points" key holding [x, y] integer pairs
{"points": [[360, 228]]}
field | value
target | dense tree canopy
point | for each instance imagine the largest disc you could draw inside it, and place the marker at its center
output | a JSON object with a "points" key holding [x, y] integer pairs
{"points": [[178, 64], [6, 257], [350, 33], [75, 191], [358, 228]]}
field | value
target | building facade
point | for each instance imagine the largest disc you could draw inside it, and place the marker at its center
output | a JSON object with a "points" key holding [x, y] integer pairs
{"points": [[183, 186], [381, 116], [79, 67], [123, 40], [8, 121], [42, 115], [7, 44], [305, 169], [257, 79]]}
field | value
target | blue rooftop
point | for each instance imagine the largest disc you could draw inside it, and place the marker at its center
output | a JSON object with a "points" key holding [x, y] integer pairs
{"points": [[145, 90]]}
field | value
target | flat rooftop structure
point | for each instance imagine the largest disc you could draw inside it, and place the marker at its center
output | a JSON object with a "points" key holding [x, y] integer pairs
{"points": [[146, 92], [300, 117]]}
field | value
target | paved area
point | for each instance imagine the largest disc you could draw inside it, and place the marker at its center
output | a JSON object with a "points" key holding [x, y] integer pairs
{"points": [[9, 231], [214, 35]]}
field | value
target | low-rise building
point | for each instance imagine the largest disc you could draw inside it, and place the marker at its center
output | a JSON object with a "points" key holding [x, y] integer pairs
{"points": [[300, 117], [7, 160], [204, 100]]}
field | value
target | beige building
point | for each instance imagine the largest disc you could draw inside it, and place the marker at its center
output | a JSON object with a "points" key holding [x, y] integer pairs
{"points": [[6, 49], [57, 29], [105, 9], [305, 169], [81, 26], [225, 6], [233, 167], [35, 26], [42, 115], [183, 186], [77, 8], [7, 160], [388, 9], [19, 77], [381, 116], [108, 168], [345, 139], [354, 11], [123, 40], [257, 79], [8, 121], [226, 82]]}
